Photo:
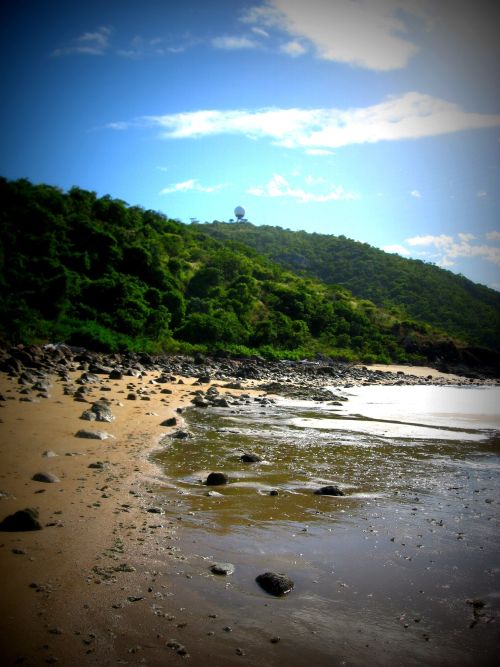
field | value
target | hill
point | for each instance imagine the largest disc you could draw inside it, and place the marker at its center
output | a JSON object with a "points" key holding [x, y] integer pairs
{"points": [[409, 287], [96, 272]]}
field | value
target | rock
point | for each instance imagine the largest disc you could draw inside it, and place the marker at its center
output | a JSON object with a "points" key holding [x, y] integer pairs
{"points": [[200, 402], [274, 492], [329, 491], [92, 435], [181, 435], [250, 458], [88, 415], [102, 412], [172, 421], [222, 568], [46, 477], [217, 478], [98, 465], [131, 396], [49, 454], [26, 519], [115, 374], [275, 584]]}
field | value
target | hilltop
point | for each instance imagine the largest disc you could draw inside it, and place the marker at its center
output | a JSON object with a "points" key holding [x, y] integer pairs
{"points": [[409, 287], [99, 273]]}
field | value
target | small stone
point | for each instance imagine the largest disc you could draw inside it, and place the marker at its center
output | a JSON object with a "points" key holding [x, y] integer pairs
{"points": [[275, 584], [22, 520], [49, 454], [250, 458], [329, 491], [97, 465], [92, 435], [222, 568], [172, 421], [217, 479], [46, 477]]}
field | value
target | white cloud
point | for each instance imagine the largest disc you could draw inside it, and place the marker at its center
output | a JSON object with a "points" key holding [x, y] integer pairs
{"points": [[481, 194], [409, 116], [89, 43], [293, 48], [318, 151], [232, 42], [190, 185], [416, 194], [448, 249], [366, 33], [438, 241], [260, 31], [278, 186], [399, 249]]}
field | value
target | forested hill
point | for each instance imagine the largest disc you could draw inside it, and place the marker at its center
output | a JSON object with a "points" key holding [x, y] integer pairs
{"points": [[96, 272], [416, 289]]}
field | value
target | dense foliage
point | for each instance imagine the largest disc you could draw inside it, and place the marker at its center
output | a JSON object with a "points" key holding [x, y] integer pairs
{"points": [[96, 272], [413, 288]]}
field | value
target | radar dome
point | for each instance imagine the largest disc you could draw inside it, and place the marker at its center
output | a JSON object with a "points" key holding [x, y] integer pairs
{"points": [[239, 212]]}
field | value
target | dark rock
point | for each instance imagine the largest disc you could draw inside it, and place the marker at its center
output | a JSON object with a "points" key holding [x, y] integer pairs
{"points": [[274, 492], [222, 568], [204, 379], [98, 465], [217, 479], [131, 396], [46, 477], [172, 421], [181, 435], [275, 584], [329, 491], [250, 458], [26, 519], [88, 415], [115, 374]]}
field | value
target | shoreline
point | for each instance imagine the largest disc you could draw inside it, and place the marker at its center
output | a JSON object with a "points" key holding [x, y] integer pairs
{"points": [[107, 578]]}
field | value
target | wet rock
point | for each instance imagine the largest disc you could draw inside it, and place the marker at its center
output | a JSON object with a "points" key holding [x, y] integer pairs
{"points": [[92, 435], [329, 490], [217, 479], [172, 421], [46, 477], [274, 492], [181, 435], [250, 458], [21, 520], [274, 583], [224, 569]]}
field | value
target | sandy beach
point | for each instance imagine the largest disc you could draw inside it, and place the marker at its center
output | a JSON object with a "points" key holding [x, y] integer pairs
{"points": [[106, 580]]}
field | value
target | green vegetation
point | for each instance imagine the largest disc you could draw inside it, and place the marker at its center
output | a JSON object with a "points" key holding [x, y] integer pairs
{"points": [[96, 272], [410, 288]]}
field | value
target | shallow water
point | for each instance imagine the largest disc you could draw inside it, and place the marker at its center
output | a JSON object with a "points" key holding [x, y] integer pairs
{"points": [[386, 573]]}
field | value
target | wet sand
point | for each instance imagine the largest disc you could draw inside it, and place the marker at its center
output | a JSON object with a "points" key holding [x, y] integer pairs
{"points": [[108, 581]]}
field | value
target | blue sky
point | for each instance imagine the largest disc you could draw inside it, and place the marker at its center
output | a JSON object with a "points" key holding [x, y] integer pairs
{"points": [[376, 119]]}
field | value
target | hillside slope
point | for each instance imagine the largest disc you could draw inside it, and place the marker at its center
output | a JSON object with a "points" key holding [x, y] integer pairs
{"points": [[96, 272], [416, 289]]}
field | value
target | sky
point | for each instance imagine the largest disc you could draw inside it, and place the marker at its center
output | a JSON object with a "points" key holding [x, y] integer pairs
{"points": [[378, 120]]}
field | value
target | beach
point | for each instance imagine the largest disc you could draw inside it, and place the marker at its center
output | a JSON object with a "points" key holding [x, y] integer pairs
{"points": [[113, 577]]}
